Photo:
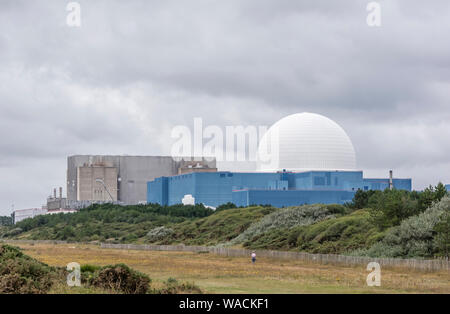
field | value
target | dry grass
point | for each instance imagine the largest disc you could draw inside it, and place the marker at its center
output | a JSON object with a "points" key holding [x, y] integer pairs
{"points": [[217, 274]]}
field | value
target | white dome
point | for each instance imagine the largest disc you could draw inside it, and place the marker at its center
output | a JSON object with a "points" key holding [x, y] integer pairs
{"points": [[305, 141]]}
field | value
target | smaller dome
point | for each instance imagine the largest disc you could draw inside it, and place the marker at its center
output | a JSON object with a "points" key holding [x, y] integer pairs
{"points": [[305, 141]]}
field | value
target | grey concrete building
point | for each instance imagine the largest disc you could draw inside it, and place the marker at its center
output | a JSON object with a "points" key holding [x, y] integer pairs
{"points": [[54, 202], [122, 178]]}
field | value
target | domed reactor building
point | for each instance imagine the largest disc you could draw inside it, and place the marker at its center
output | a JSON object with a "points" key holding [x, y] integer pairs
{"points": [[304, 158]]}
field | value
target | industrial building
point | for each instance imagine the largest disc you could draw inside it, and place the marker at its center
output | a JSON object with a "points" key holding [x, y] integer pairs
{"points": [[54, 202], [122, 179], [277, 189], [21, 214], [312, 160]]}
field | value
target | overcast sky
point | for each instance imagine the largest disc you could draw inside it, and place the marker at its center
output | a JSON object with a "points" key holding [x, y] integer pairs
{"points": [[135, 69]]}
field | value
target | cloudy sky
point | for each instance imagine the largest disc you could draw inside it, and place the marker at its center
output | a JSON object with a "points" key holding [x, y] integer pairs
{"points": [[135, 69]]}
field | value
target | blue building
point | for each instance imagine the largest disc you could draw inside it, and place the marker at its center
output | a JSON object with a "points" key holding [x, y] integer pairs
{"points": [[447, 186], [275, 188]]}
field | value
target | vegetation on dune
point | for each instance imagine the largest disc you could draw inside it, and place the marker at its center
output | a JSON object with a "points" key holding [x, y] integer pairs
{"points": [[390, 207], [424, 235], [20, 273], [442, 237], [329, 236], [288, 218], [225, 206], [338, 235], [6, 221], [218, 228], [159, 233], [173, 286], [106, 222], [120, 278]]}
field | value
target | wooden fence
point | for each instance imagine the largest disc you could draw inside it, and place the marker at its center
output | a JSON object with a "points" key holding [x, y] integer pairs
{"points": [[416, 264]]}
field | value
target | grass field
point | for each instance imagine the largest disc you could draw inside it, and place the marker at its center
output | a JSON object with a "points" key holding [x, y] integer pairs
{"points": [[217, 274]]}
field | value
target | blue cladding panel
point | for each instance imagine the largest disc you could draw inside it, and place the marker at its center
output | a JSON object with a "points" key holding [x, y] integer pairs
{"points": [[447, 186], [382, 184], [290, 198], [179, 186], [326, 180], [157, 191]]}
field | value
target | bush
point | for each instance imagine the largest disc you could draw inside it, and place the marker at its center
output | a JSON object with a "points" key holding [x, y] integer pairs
{"points": [[13, 232], [20, 273], [390, 207], [414, 237], [121, 278], [228, 205], [159, 233], [88, 272], [361, 199], [172, 286], [286, 218], [218, 228], [337, 236], [442, 238], [6, 221]]}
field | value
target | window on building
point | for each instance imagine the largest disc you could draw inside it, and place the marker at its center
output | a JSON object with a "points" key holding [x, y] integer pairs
{"points": [[319, 181]]}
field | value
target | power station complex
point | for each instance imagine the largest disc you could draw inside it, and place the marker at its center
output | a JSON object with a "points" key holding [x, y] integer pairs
{"points": [[303, 158]]}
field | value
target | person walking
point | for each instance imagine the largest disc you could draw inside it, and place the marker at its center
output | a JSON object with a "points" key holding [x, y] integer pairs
{"points": [[253, 257]]}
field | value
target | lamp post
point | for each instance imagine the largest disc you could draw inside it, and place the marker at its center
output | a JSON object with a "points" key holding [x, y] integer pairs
{"points": [[104, 185]]}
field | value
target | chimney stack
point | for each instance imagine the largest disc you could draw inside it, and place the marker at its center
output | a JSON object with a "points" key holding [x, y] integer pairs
{"points": [[391, 183], [54, 193], [60, 192]]}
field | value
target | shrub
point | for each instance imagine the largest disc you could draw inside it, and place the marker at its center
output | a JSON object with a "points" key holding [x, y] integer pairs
{"points": [[361, 199], [228, 205], [20, 273], [218, 228], [159, 233], [413, 238], [88, 272], [286, 218], [6, 221], [442, 238], [172, 286], [121, 278], [337, 209], [13, 232], [340, 235], [390, 207]]}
